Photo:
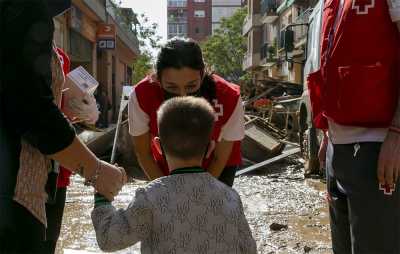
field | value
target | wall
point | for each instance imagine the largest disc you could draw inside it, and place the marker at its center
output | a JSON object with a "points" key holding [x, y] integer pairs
{"points": [[199, 27], [227, 2]]}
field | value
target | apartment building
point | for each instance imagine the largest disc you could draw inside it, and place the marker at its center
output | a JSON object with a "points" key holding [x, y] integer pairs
{"points": [[197, 19], [223, 9], [264, 29]]}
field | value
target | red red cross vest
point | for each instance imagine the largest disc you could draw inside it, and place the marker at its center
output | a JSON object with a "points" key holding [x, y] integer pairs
{"points": [[150, 96], [63, 177], [359, 79]]}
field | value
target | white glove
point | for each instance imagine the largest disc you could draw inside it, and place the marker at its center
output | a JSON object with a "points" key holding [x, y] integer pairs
{"points": [[85, 108]]}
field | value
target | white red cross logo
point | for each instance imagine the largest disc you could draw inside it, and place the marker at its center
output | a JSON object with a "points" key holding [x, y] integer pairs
{"points": [[362, 6], [387, 190], [219, 109]]}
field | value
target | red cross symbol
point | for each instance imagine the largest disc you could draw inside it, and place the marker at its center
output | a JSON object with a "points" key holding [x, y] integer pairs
{"points": [[387, 190], [362, 6], [219, 109]]}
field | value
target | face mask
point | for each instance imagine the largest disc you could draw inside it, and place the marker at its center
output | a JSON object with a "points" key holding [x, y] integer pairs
{"points": [[196, 93], [169, 95], [58, 7]]}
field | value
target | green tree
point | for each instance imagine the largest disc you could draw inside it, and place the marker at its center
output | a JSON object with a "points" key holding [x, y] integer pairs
{"points": [[146, 34], [142, 66], [148, 42], [225, 49]]}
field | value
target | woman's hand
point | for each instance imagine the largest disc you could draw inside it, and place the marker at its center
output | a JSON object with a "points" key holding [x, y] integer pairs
{"points": [[84, 110], [110, 180]]}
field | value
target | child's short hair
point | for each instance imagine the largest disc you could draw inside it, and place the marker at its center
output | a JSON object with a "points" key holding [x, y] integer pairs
{"points": [[185, 125]]}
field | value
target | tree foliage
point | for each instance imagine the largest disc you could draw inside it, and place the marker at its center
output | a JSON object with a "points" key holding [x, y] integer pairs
{"points": [[146, 33], [142, 66], [225, 49], [149, 40]]}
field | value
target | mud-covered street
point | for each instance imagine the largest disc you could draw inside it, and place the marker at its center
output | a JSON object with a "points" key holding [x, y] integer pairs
{"points": [[287, 213]]}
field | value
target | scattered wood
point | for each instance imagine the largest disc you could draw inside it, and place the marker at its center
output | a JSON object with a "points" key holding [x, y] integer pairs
{"points": [[269, 161], [259, 144]]}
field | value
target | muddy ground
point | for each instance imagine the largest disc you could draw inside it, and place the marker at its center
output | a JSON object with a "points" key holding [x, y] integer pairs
{"points": [[287, 213]]}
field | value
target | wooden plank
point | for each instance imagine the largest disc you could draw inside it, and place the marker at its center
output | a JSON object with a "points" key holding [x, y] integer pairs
{"points": [[263, 138], [269, 161]]}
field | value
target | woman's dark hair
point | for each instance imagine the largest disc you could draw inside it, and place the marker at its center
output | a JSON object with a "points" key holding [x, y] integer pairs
{"points": [[179, 53]]}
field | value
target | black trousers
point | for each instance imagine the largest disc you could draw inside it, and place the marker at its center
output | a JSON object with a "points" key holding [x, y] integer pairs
{"points": [[228, 175], [363, 219], [20, 232], [54, 213]]}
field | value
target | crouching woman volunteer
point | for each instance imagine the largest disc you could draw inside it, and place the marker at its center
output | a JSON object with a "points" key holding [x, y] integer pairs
{"points": [[180, 71]]}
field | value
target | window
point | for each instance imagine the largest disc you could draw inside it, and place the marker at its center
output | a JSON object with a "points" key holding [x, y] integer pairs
{"points": [[177, 3], [229, 2], [197, 30], [177, 30], [199, 13], [199, 1], [172, 28], [222, 12]]}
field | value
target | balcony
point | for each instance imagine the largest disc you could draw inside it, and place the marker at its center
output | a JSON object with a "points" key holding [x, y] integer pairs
{"points": [[177, 3], [124, 29], [172, 19], [251, 61], [267, 55], [300, 32], [250, 22], [97, 7], [172, 35], [268, 11]]}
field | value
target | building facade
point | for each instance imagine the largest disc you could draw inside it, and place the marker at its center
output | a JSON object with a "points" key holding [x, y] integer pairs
{"points": [[77, 33], [177, 15], [197, 19], [223, 9], [264, 29]]}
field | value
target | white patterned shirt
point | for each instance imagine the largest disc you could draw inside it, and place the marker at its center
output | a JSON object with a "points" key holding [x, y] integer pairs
{"points": [[184, 213]]}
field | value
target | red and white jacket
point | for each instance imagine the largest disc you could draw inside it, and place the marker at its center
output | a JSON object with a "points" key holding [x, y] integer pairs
{"points": [[359, 79], [147, 97]]}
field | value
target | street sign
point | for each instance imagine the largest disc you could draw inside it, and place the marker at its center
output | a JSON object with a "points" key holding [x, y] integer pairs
{"points": [[106, 34], [106, 44]]}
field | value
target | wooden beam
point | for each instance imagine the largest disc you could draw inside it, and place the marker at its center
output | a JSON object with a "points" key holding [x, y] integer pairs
{"points": [[267, 162]]}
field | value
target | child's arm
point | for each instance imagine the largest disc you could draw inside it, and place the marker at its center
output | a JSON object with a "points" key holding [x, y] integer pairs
{"points": [[119, 229]]}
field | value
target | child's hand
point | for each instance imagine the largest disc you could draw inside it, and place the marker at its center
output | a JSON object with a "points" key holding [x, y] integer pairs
{"points": [[110, 180], [125, 177]]}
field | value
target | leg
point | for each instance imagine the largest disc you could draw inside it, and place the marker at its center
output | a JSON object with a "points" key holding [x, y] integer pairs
{"points": [[19, 230], [54, 214], [338, 210], [228, 175], [374, 216]]}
